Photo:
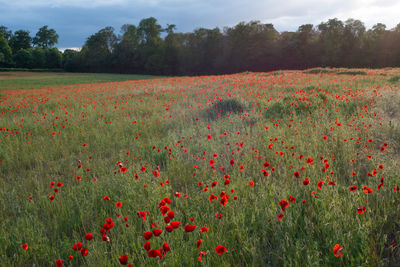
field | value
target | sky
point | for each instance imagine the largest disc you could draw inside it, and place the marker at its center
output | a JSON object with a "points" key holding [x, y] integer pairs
{"points": [[76, 20]]}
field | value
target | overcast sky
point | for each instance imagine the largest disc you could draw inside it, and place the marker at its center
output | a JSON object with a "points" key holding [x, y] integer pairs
{"points": [[75, 20]]}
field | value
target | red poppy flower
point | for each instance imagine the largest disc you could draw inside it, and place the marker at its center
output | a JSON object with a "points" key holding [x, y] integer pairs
{"points": [[169, 227], [212, 197], [59, 263], [175, 224], [88, 236], [367, 190], [148, 235], [147, 246], [361, 209], [164, 210], [154, 253], [280, 216], [352, 188], [284, 204], [204, 229], [306, 181], [166, 247], [336, 250], [292, 199], [77, 246], [157, 232], [297, 174], [171, 214], [201, 253], [25, 246], [199, 243], [84, 252], [220, 249], [223, 200], [319, 184], [118, 204], [251, 183], [309, 160], [190, 228], [123, 260]]}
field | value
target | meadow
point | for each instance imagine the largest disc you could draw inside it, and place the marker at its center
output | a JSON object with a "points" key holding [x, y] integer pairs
{"points": [[29, 80], [286, 168]]}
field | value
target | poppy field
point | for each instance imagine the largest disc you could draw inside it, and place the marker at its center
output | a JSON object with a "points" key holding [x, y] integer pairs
{"points": [[286, 168]]}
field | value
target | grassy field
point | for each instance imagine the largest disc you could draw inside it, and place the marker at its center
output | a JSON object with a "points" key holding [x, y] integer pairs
{"points": [[28, 80], [288, 168]]}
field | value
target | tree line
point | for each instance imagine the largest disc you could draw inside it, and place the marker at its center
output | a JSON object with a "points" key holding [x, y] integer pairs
{"points": [[149, 48]]}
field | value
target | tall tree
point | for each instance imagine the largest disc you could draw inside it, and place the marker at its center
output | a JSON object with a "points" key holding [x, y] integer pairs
{"points": [[331, 36], [45, 37], [151, 45], [20, 40], [5, 32], [173, 52], [99, 49], [24, 58], [251, 46], [5, 52], [352, 42], [125, 55]]}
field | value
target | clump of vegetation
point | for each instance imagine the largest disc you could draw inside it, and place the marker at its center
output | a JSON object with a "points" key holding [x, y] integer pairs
{"points": [[394, 79], [223, 107], [319, 71], [352, 72]]}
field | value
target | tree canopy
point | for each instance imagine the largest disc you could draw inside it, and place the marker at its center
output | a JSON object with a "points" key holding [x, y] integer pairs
{"points": [[150, 48]]}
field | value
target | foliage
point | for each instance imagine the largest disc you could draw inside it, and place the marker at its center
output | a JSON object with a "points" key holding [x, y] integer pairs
{"points": [[149, 48], [20, 40], [45, 37]]}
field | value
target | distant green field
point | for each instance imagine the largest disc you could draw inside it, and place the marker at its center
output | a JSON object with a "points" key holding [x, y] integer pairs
{"points": [[29, 80]]}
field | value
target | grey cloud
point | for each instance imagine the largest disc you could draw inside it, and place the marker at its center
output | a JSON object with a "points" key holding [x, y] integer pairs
{"points": [[75, 20]]}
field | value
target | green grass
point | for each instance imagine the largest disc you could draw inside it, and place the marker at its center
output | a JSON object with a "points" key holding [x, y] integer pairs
{"points": [[29, 80], [179, 125]]}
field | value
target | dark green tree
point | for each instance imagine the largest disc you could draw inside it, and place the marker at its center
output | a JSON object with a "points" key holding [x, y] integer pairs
{"points": [[5, 32], [251, 46], [173, 52], [331, 41], [151, 50], [24, 58], [53, 58], [45, 37], [352, 41], [99, 49], [39, 57], [20, 40], [5, 52], [125, 54]]}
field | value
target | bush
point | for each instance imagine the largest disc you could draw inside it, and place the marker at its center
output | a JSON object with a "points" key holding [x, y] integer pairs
{"points": [[352, 72]]}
